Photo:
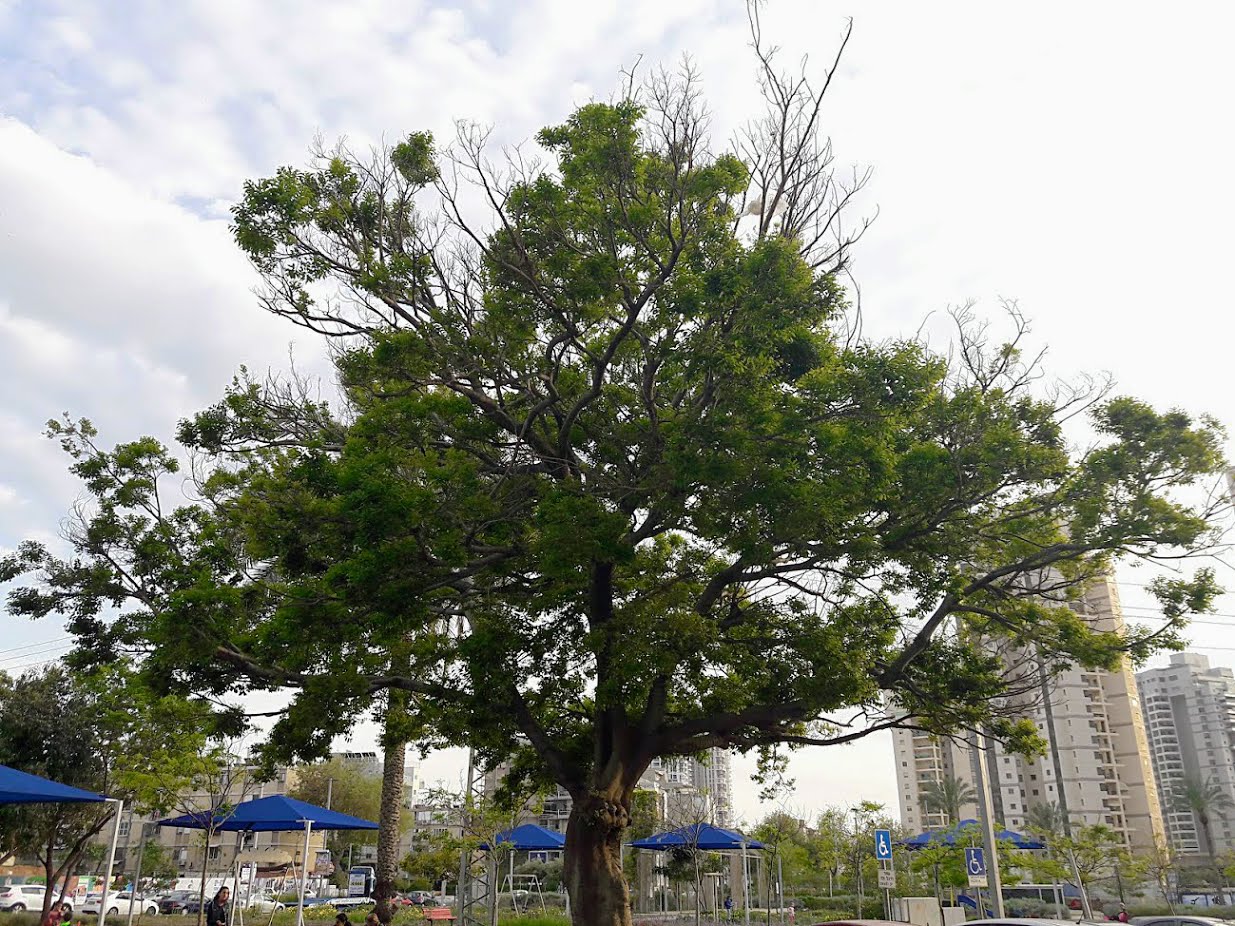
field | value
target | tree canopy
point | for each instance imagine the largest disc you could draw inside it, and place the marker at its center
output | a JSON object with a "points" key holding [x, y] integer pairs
{"points": [[615, 476]]}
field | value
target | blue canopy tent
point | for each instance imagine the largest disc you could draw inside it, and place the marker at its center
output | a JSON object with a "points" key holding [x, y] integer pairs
{"points": [[708, 838], [967, 833], [703, 836], [527, 838], [275, 814], [23, 788], [531, 838]]}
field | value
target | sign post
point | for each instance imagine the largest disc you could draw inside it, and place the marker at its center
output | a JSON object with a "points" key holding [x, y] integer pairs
{"points": [[887, 870]]}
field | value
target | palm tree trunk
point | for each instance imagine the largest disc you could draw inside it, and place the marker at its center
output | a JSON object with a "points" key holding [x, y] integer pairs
{"points": [[1210, 849], [394, 761]]}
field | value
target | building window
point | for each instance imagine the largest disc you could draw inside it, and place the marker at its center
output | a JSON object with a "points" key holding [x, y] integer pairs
{"points": [[213, 853]]}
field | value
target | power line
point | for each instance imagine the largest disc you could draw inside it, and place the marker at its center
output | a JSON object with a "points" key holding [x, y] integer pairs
{"points": [[22, 667], [62, 648], [15, 649]]}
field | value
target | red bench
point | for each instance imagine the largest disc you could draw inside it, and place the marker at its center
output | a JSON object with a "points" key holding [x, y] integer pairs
{"points": [[439, 913]]}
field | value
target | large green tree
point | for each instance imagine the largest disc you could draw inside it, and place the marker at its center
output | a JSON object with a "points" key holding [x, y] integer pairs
{"points": [[615, 476]]}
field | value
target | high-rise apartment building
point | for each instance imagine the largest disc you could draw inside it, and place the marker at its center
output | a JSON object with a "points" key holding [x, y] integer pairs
{"points": [[1190, 717], [924, 762], [1097, 768], [709, 776]]}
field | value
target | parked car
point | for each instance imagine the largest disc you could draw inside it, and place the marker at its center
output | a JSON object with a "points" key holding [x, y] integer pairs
{"points": [[118, 903], [420, 898], [340, 903], [174, 901], [266, 903], [18, 897], [1166, 920]]}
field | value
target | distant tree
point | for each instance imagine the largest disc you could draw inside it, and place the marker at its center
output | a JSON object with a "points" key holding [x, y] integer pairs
{"points": [[787, 852], [350, 790], [206, 783], [158, 869], [947, 795], [1046, 820], [828, 844], [431, 862], [1092, 854], [103, 732], [1204, 799]]}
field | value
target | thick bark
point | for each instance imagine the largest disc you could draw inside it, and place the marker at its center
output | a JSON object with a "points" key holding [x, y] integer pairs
{"points": [[393, 763], [592, 867]]}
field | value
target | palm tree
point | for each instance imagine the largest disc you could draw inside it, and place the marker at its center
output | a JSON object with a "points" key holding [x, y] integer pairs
{"points": [[1203, 799], [947, 795], [1045, 819]]}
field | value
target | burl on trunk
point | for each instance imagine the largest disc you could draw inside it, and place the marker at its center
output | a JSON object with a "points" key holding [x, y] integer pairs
{"points": [[592, 866]]}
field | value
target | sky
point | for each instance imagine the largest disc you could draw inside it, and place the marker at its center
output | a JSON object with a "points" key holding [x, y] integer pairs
{"points": [[1073, 157]]}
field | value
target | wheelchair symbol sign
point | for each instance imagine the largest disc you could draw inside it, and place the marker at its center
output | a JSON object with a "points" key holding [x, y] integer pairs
{"points": [[975, 866], [883, 845]]}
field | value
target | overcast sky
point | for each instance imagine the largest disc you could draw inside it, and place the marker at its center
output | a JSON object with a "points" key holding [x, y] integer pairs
{"points": [[1075, 157]]}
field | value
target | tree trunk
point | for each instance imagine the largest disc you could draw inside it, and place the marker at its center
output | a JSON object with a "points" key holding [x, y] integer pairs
{"points": [[201, 893], [49, 879], [592, 867], [1210, 849], [393, 762]]}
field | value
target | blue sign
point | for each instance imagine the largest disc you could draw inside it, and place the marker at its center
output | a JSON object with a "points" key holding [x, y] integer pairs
{"points": [[975, 862], [883, 845]]}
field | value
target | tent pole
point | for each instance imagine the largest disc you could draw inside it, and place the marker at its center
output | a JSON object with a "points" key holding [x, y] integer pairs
{"points": [[745, 886], [111, 857], [237, 906], [780, 886], [304, 873], [137, 877]]}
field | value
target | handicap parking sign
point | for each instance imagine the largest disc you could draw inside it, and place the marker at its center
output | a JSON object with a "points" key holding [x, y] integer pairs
{"points": [[883, 845], [975, 866]]}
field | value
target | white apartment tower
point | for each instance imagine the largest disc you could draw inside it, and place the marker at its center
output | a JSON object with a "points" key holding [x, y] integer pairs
{"points": [[1097, 767], [1190, 716], [709, 776], [923, 760]]}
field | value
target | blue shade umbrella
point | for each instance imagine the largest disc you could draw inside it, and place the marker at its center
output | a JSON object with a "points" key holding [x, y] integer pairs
{"points": [[23, 788], [965, 833], [699, 836], [531, 838], [708, 838], [275, 814]]}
